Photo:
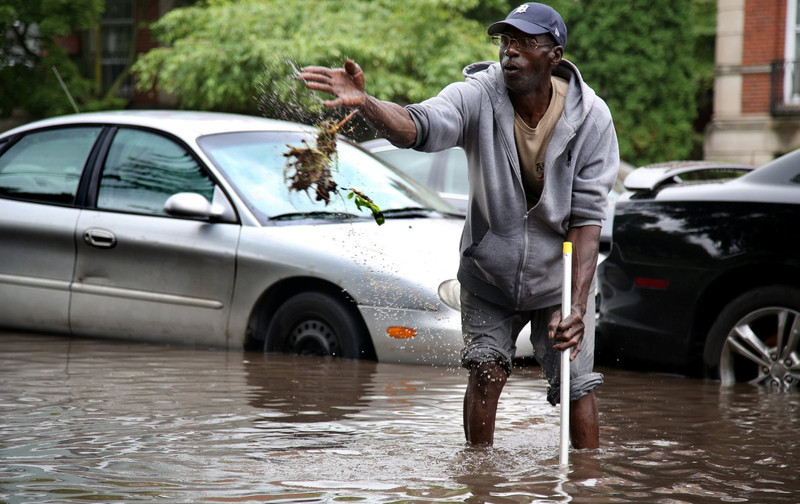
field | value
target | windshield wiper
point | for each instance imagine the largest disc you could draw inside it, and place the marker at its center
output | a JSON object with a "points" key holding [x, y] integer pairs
{"points": [[315, 215], [408, 212]]}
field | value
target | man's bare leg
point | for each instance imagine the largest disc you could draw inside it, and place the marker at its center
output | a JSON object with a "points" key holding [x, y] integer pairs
{"points": [[584, 423], [486, 382]]}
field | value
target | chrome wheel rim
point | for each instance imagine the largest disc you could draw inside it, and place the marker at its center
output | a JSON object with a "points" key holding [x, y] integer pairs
{"points": [[762, 349]]}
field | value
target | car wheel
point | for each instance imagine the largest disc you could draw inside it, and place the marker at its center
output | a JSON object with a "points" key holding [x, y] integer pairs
{"points": [[756, 339], [317, 324]]}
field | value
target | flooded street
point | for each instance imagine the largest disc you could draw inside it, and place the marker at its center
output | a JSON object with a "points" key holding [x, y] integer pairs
{"points": [[104, 421]]}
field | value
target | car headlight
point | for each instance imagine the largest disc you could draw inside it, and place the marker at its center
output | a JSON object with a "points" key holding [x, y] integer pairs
{"points": [[450, 293]]}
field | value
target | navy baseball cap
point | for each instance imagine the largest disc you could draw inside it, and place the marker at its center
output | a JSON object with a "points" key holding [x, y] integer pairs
{"points": [[534, 19]]}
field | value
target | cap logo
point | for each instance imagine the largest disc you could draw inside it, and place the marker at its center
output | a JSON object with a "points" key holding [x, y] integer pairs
{"points": [[556, 33], [521, 9]]}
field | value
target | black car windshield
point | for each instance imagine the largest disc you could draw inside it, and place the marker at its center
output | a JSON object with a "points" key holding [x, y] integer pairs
{"points": [[254, 163]]}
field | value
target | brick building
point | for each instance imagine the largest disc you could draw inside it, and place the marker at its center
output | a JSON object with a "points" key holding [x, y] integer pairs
{"points": [[122, 35], [757, 84]]}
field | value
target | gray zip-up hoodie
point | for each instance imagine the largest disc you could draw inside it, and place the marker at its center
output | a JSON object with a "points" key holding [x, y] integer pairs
{"points": [[509, 255]]}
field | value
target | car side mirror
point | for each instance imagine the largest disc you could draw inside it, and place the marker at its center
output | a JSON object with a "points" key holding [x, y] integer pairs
{"points": [[193, 205]]}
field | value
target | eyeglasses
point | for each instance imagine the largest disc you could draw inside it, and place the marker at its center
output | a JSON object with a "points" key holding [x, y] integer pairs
{"points": [[525, 43]]}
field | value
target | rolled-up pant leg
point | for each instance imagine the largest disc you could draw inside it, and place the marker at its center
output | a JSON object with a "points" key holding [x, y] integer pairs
{"points": [[490, 332], [582, 378]]}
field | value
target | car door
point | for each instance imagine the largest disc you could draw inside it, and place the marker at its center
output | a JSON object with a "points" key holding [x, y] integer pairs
{"points": [[141, 273], [39, 178]]}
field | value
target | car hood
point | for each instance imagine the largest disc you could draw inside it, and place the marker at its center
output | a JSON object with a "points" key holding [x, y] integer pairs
{"points": [[399, 264]]}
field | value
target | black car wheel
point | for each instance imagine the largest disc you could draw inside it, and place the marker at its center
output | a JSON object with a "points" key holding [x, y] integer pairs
{"points": [[317, 324], [756, 339]]}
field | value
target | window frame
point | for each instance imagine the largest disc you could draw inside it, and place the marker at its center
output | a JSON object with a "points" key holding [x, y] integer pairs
{"points": [[791, 74], [102, 166]]}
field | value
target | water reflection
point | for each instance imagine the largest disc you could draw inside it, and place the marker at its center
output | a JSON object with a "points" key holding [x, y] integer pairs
{"points": [[87, 420], [306, 389]]}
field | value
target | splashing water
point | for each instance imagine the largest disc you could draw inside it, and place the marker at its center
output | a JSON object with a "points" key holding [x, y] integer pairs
{"points": [[283, 95]]}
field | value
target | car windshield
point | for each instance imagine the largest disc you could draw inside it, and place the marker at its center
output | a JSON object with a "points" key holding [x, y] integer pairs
{"points": [[254, 163]]}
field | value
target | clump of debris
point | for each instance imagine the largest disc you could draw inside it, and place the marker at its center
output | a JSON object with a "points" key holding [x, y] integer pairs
{"points": [[310, 168]]}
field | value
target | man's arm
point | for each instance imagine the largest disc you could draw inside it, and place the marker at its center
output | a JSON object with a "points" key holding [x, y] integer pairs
{"points": [[585, 246], [348, 86], [569, 331]]}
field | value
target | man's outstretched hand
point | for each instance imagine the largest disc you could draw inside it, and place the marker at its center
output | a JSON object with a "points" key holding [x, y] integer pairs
{"points": [[346, 84]]}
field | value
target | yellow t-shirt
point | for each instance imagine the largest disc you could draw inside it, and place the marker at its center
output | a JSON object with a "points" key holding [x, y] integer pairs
{"points": [[532, 142]]}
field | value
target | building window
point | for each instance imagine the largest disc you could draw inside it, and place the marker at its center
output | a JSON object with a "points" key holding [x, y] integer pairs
{"points": [[116, 42], [791, 82], [785, 75]]}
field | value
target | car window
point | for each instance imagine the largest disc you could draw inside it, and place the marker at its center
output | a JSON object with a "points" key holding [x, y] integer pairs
{"points": [[455, 175], [143, 169], [46, 165], [415, 163], [711, 175]]}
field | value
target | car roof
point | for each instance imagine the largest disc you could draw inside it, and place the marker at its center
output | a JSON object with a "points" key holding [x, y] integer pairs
{"points": [[184, 123]]}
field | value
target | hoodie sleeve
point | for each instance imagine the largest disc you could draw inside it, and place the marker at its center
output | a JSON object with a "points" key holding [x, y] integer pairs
{"points": [[597, 174], [441, 120]]}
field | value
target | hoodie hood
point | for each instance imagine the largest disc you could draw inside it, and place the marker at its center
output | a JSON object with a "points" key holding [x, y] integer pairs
{"points": [[580, 97], [472, 69]]}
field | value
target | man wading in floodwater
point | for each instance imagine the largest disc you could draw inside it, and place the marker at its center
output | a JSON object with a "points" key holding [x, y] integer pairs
{"points": [[543, 155]]}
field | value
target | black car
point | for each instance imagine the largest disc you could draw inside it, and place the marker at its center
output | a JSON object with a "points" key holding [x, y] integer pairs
{"points": [[703, 276]]}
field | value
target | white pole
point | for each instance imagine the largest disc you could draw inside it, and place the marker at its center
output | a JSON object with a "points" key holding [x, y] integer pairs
{"points": [[566, 308]]}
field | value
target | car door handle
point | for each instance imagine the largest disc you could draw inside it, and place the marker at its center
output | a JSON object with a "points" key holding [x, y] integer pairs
{"points": [[99, 238]]}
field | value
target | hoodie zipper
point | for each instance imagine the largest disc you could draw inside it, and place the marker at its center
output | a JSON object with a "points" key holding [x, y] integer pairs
{"points": [[520, 282], [525, 239], [524, 260]]}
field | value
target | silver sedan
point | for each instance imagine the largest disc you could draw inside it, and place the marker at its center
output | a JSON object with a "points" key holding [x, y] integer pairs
{"points": [[180, 227]]}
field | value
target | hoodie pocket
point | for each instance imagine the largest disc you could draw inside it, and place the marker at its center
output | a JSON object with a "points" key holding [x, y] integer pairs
{"points": [[543, 275], [495, 259]]}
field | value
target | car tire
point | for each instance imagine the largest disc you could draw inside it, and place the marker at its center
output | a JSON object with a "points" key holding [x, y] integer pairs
{"points": [[756, 339], [314, 323]]}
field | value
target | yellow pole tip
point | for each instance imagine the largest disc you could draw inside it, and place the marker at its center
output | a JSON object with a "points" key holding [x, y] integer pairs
{"points": [[567, 247]]}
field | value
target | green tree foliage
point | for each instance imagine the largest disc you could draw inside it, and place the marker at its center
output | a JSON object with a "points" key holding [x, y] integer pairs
{"points": [[409, 50], [652, 61], [649, 60], [704, 33], [640, 57], [29, 51]]}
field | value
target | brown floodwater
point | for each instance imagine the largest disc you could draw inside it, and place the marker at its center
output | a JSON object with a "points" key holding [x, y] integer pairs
{"points": [[107, 421]]}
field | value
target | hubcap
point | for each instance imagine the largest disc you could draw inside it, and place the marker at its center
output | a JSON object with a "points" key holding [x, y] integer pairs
{"points": [[762, 348], [313, 337]]}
